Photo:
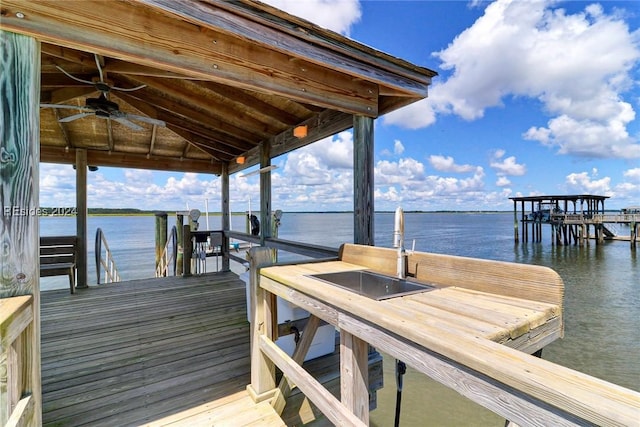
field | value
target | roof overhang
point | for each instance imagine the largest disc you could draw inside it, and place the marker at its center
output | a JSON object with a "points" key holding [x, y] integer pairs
{"points": [[225, 77]]}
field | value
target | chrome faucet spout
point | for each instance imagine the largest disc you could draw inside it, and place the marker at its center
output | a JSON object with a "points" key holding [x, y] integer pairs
{"points": [[398, 242]]}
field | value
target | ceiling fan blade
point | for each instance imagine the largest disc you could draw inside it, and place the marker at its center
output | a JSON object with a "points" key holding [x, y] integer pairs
{"points": [[127, 123], [74, 117], [131, 89], [73, 77], [69, 107], [145, 119]]}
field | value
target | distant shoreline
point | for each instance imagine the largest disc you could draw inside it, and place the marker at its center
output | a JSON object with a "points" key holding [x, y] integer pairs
{"points": [[46, 212], [137, 212]]}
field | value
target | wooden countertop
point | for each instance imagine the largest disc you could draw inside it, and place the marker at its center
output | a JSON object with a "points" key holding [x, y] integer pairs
{"points": [[502, 319], [465, 333]]}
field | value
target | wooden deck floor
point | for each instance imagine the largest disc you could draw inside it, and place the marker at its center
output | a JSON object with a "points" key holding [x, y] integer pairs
{"points": [[146, 351]]}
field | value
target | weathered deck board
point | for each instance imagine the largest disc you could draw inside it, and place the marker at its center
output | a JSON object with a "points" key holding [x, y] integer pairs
{"points": [[141, 351]]}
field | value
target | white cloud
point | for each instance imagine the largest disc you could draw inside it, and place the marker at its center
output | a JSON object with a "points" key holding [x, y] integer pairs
{"points": [[633, 174], [336, 15], [398, 148], [503, 181], [583, 183], [578, 66], [447, 164], [508, 165], [57, 185], [317, 177]]}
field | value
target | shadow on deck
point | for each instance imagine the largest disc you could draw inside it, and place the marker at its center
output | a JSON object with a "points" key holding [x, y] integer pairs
{"points": [[136, 352]]}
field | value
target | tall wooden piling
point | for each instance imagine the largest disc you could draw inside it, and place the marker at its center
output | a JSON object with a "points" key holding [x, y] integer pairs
{"points": [[19, 233], [161, 235], [187, 249], [82, 272], [363, 185], [180, 243]]}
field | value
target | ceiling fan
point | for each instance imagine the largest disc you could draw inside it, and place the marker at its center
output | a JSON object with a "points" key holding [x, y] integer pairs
{"points": [[101, 106]]}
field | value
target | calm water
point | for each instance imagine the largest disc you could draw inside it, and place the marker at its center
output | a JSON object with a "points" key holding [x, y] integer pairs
{"points": [[602, 292]]}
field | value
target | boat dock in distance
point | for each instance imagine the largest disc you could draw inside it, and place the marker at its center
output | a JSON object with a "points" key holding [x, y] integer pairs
{"points": [[570, 218]]}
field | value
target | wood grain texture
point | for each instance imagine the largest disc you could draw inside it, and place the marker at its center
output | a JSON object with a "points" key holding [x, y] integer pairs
{"points": [[19, 144], [197, 49], [19, 257], [554, 390], [508, 279], [363, 181], [154, 351]]}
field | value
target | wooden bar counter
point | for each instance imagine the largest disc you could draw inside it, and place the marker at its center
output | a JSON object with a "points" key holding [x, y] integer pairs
{"points": [[474, 332], [524, 318]]}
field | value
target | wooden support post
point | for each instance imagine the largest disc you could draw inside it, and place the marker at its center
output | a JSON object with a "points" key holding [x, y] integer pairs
{"points": [[363, 181], [265, 192], [180, 244], [633, 227], [161, 235], [515, 222], [187, 249], [226, 216], [81, 218], [19, 231], [354, 375], [263, 381]]}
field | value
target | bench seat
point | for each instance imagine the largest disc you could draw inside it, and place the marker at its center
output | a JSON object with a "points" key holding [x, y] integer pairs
{"points": [[58, 258]]}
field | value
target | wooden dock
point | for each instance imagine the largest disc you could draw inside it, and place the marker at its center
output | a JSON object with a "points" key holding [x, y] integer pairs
{"points": [[165, 351]]}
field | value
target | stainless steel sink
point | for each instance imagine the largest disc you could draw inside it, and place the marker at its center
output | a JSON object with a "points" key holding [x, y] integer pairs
{"points": [[372, 285]]}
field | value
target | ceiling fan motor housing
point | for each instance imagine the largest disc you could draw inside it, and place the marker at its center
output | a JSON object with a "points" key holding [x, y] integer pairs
{"points": [[102, 105]]}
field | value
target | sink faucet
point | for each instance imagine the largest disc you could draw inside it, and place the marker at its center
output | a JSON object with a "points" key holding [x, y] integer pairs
{"points": [[398, 242]]}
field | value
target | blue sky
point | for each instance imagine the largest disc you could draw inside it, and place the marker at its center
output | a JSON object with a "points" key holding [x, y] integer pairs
{"points": [[532, 98]]}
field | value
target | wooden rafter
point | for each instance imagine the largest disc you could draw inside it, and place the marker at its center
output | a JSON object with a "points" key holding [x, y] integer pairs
{"points": [[182, 47]]}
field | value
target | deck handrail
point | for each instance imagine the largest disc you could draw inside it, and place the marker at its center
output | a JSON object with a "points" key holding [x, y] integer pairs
{"points": [[596, 218], [522, 388], [168, 256], [107, 263], [18, 406], [300, 248]]}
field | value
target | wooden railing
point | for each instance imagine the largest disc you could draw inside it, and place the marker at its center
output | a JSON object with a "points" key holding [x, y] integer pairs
{"points": [[578, 218], [167, 262], [515, 385], [19, 367], [623, 218], [107, 263], [305, 249]]}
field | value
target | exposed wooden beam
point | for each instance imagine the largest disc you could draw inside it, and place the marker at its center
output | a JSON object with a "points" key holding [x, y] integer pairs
{"points": [[58, 80], [72, 55], [59, 155], [264, 25], [180, 112], [122, 67], [320, 126], [152, 143], [189, 93], [251, 102], [315, 35], [191, 139], [201, 50], [65, 95]]}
